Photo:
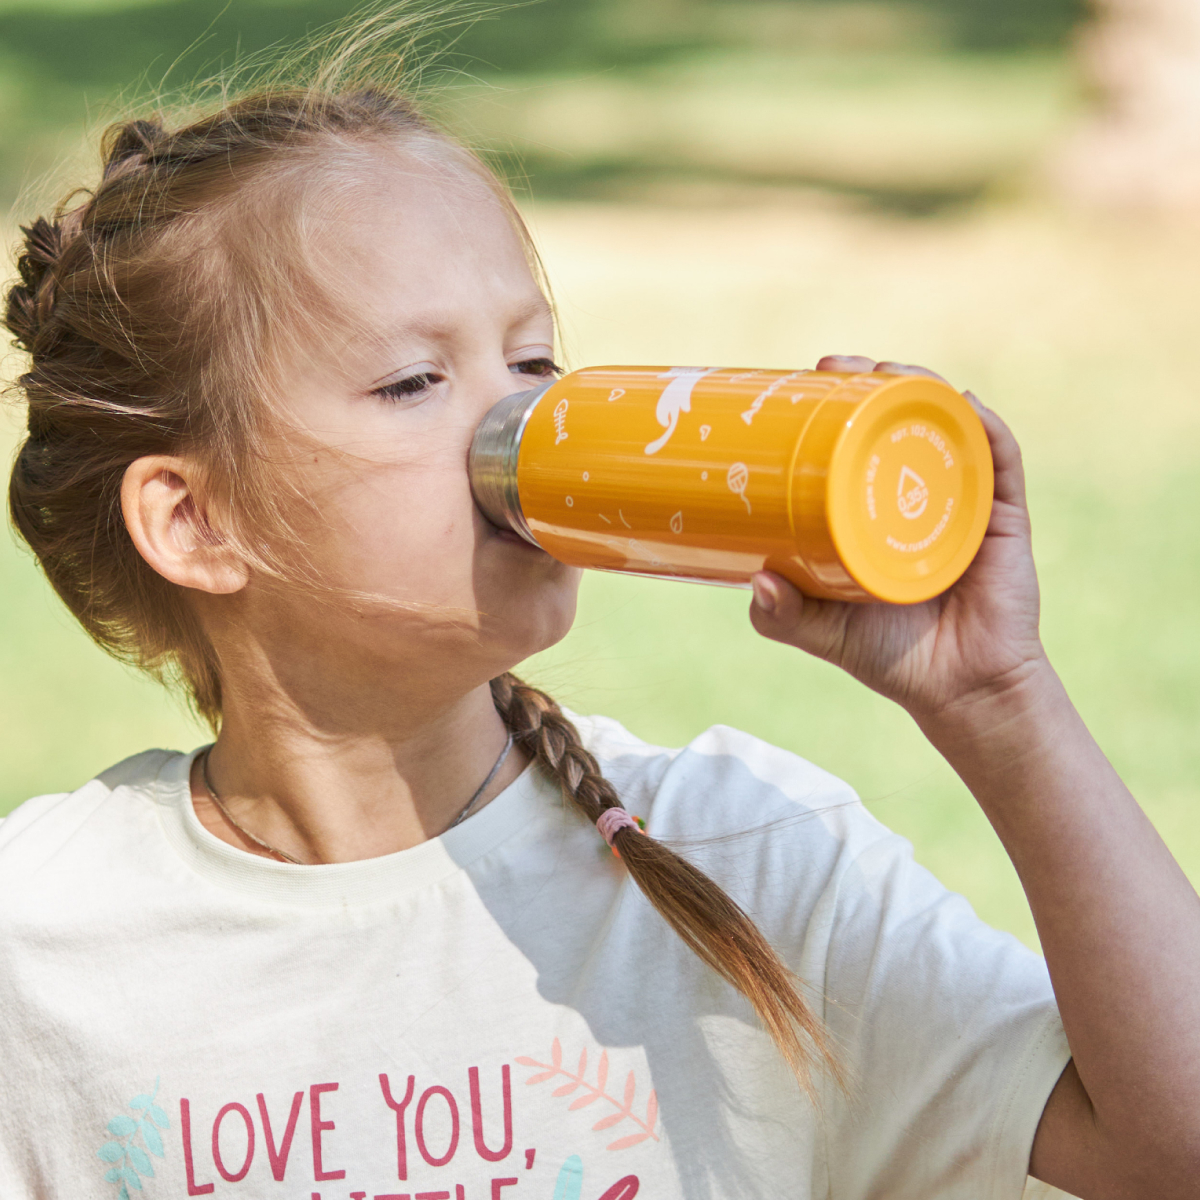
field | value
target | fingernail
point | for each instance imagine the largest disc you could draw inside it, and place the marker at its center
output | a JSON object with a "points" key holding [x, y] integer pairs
{"points": [[765, 594]]}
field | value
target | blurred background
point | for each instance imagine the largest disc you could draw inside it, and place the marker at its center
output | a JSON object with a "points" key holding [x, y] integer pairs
{"points": [[1004, 190]]}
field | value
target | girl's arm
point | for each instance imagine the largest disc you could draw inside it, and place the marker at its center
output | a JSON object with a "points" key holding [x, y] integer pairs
{"points": [[1118, 920]]}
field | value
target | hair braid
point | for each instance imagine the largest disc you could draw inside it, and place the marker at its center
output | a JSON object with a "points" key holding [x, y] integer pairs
{"points": [[710, 923]]}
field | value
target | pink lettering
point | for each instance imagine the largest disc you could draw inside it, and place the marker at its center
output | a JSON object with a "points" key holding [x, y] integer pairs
{"points": [[279, 1156], [185, 1125], [318, 1129], [419, 1127], [497, 1184], [394, 1196], [432, 1196], [236, 1176], [477, 1115], [398, 1109], [623, 1189], [358, 1196], [529, 1155]]}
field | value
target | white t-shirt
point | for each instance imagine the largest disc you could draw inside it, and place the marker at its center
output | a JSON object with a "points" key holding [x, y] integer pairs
{"points": [[498, 1013]]}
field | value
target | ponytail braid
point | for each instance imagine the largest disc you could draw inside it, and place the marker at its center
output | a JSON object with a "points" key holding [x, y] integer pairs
{"points": [[711, 924]]}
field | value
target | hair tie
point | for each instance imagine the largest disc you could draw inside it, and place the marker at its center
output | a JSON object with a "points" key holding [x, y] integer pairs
{"points": [[612, 819]]}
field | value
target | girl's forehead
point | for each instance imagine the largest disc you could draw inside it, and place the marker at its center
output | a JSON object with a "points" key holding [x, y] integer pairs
{"points": [[412, 218], [406, 249]]}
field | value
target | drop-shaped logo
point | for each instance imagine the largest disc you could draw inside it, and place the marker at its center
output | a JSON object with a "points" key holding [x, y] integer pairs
{"points": [[912, 494], [677, 522]]}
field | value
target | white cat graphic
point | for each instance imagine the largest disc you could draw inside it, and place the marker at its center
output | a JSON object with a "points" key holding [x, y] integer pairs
{"points": [[676, 398]]}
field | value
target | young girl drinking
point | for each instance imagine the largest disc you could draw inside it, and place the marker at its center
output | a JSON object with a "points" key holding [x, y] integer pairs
{"points": [[373, 941]]}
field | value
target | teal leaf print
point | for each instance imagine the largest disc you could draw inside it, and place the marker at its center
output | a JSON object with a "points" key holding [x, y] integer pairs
{"points": [[152, 1139], [570, 1180], [141, 1160], [131, 1161]]}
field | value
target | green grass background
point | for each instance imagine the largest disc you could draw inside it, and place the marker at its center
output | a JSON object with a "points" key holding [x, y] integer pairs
{"points": [[756, 208]]}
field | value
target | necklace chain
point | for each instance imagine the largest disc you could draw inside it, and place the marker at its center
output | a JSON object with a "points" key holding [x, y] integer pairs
{"points": [[284, 855]]}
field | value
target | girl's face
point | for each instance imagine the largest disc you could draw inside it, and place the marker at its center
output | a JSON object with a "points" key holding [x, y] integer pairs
{"points": [[445, 319]]}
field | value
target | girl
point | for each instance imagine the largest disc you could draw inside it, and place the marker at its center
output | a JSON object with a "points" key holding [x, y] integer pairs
{"points": [[372, 941]]}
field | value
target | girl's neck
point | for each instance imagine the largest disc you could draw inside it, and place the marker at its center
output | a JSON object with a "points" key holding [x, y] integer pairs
{"points": [[325, 788]]}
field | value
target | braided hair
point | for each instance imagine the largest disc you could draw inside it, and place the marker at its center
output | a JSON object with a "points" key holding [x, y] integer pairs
{"points": [[144, 331], [710, 923]]}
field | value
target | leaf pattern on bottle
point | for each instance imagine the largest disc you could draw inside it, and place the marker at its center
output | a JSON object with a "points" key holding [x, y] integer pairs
{"points": [[130, 1162], [577, 1081]]}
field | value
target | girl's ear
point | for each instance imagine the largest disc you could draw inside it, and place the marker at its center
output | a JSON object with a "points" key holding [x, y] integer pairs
{"points": [[164, 511]]}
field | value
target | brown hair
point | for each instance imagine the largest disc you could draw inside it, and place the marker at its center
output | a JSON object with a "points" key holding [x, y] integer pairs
{"points": [[150, 321]]}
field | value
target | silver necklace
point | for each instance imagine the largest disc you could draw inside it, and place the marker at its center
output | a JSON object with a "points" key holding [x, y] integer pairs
{"points": [[284, 855]]}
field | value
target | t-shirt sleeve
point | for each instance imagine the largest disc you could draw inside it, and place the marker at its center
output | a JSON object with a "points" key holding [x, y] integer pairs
{"points": [[949, 1034]]}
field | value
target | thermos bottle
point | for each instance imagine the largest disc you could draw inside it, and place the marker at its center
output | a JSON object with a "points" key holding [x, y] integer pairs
{"points": [[853, 486]]}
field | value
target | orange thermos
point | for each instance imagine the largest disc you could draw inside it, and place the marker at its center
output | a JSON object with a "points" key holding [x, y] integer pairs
{"points": [[853, 486]]}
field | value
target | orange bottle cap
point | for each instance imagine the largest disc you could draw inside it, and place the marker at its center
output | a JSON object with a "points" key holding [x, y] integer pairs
{"points": [[908, 488]]}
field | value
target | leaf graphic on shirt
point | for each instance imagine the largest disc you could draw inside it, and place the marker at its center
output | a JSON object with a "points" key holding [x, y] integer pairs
{"points": [[131, 1161], [569, 1185], [141, 1161], [625, 1142], [152, 1139], [592, 1092]]}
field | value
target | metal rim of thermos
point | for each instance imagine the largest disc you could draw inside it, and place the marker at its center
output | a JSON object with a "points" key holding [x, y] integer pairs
{"points": [[492, 462]]}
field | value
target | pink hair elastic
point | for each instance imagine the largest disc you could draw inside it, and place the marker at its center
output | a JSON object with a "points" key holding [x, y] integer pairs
{"points": [[612, 819]]}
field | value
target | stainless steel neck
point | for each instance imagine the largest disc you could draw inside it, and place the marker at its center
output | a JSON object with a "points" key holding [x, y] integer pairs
{"points": [[492, 462]]}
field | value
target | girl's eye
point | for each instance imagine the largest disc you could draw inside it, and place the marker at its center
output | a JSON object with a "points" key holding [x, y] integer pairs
{"points": [[539, 368], [411, 387]]}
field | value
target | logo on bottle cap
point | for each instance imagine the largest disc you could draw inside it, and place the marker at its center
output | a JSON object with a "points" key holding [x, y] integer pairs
{"points": [[912, 494]]}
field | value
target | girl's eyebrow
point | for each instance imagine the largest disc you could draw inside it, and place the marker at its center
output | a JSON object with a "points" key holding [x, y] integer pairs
{"points": [[439, 329]]}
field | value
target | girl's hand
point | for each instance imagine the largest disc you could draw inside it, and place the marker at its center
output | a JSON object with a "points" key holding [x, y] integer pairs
{"points": [[971, 643]]}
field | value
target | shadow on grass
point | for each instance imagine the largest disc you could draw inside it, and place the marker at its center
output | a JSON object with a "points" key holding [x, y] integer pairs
{"points": [[623, 179]]}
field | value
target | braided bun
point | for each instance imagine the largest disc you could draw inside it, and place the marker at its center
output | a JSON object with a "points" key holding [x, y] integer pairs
{"points": [[129, 145], [31, 301]]}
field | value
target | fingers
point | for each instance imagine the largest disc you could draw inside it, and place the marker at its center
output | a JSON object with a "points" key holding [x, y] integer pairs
{"points": [[1006, 455], [894, 368], [846, 363], [781, 613], [859, 364]]}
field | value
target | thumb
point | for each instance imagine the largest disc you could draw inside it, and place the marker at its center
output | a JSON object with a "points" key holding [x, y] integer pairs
{"points": [[780, 612]]}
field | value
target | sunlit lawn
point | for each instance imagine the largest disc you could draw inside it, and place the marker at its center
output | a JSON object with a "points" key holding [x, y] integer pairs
{"points": [[1080, 331]]}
